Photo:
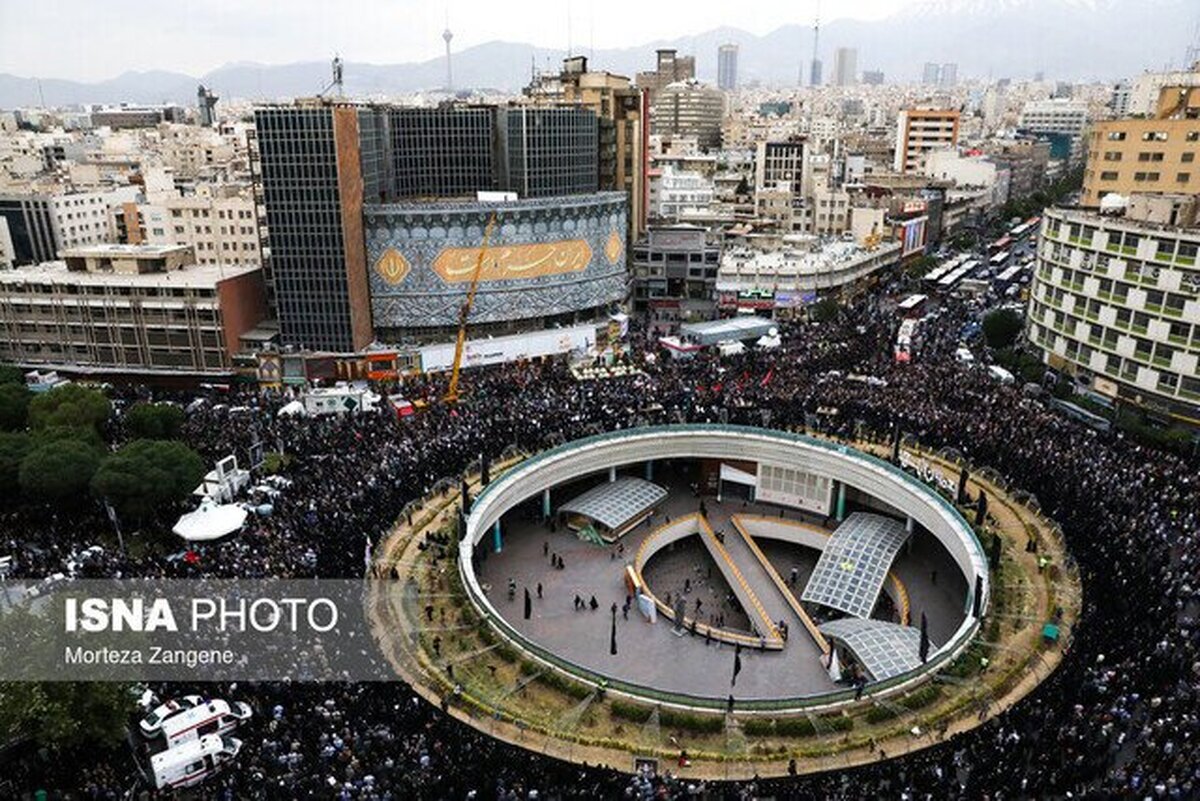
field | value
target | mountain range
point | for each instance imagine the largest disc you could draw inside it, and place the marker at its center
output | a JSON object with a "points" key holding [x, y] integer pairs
{"points": [[1073, 40]]}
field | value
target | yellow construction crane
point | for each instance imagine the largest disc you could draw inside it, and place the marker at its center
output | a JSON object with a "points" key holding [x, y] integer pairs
{"points": [[451, 395]]}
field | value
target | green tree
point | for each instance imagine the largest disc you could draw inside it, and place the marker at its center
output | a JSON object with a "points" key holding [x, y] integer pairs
{"points": [[824, 310], [1001, 327], [63, 716], [154, 421], [70, 405], [147, 476], [58, 472], [14, 406], [10, 374], [14, 447]]}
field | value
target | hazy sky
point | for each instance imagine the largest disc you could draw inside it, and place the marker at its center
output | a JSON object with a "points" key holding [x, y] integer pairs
{"points": [[93, 40]]}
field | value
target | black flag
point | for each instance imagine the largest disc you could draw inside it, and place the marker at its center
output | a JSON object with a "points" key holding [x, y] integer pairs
{"points": [[612, 643], [924, 651], [896, 445], [737, 665], [981, 508], [485, 476], [466, 496], [977, 606], [962, 486], [994, 561], [528, 605]]}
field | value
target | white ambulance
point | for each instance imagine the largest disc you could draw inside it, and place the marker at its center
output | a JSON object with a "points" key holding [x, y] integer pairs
{"points": [[211, 717], [189, 764]]}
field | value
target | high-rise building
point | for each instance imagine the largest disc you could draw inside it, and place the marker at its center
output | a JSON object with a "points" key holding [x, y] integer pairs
{"points": [[206, 104], [669, 68], [1119, 99], [948, 76], [35, 227], [872, 77], [727, 63], [815, 77], [1115, 302], [931, 74], [132, 310], [623, 113], [1063, 119], [358, 250], [845, 66], [689, 109], [921, 130], [780, 163], [1158, 154]]}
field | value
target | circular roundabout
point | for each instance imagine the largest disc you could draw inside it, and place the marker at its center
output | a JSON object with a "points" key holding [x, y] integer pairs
{"points": [[736, 601]]}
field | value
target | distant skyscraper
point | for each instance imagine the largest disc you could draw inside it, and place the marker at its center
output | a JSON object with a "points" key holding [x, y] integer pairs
{"points": [[929, 77], [845, 66], [206, 101], [949, 76], [727, 57], [814, 73], [872, 77]]}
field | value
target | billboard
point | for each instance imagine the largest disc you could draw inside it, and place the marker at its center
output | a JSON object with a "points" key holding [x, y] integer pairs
{"points": [[500, 350]]}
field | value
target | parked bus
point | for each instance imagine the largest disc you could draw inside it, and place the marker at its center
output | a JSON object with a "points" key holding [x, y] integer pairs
{"points": [[948, 281], [913, 306], [1003, 243], [998, 261], [906, 341]]}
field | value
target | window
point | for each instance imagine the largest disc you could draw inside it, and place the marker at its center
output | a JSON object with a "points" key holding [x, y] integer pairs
{"points": [[1188, 157], [1109, 176], [1150, 156], [1183, 177], [1154, 136], [1112, 155], [1193, 136], [1116, 136]]}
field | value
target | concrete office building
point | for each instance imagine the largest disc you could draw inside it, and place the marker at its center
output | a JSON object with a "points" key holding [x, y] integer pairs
{"points": [[34, 227], [129, 310], [689, 109], [727, 64], [920, 131], [1057, 117], [670, 67], [346, 186], [1157, 154], [845, 66], [1115, 302], [221, 228], [948, 76], [675, 274], [622, 112], [872, 77], [779, 164], [930, 74]]}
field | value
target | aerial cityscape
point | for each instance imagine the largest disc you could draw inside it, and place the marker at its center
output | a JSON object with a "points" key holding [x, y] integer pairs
{"points": [[408, 401]]}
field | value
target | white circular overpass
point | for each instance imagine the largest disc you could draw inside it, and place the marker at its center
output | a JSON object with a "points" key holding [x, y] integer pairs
{"points": [[850, 467]]}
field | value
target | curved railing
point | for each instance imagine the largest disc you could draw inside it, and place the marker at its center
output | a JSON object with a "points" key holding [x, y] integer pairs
{"points": [[951, 650]]}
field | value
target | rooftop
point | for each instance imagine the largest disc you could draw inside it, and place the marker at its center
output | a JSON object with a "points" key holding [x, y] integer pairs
{"points": [[614, 504], [200, 276], [124, 251]]}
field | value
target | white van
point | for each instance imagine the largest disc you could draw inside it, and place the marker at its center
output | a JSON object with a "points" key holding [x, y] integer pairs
{"points": [[964, 355], [1000, 374], [214, 717], [191, 763]]}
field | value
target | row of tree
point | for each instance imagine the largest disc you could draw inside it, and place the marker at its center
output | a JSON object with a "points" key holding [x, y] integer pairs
{"points": [[53, 450]]}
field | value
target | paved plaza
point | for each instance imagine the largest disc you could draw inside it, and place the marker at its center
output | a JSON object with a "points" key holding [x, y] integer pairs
{"points": [[653, 655]]}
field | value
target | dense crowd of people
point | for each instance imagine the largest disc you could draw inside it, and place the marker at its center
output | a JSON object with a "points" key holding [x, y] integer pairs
{"points": [[1119, 717]]}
